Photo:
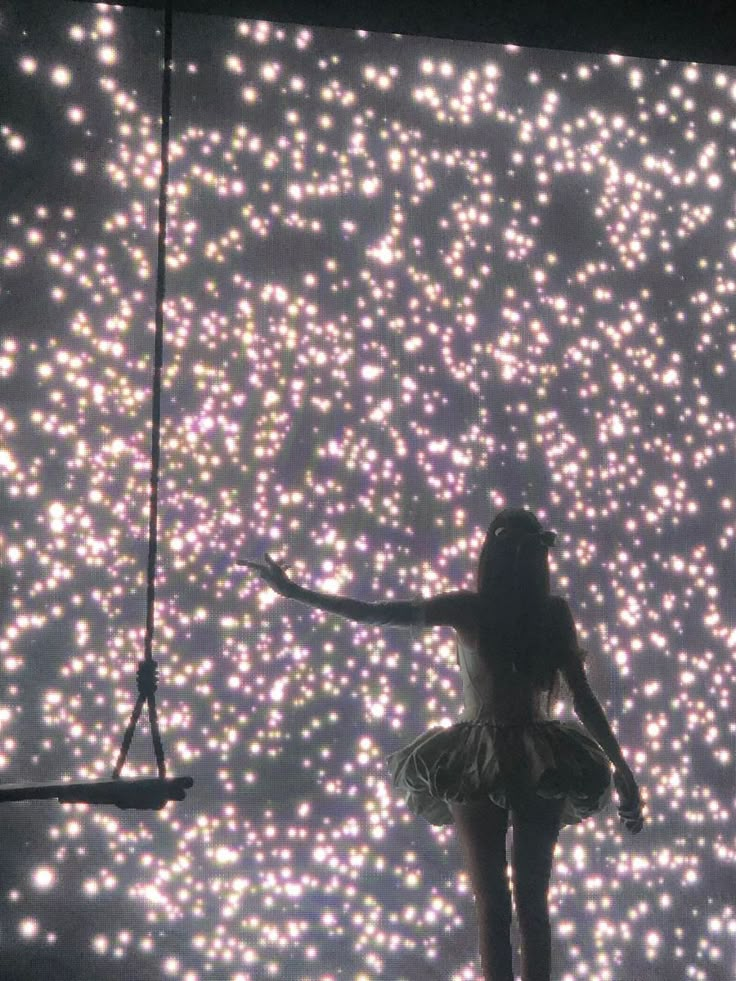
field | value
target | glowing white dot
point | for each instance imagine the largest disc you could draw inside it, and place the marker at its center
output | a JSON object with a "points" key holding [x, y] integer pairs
{"points": [[12, 257], [28, 928], [370, 186], [107, 55], [270, 71], [61, 76], [44, 877]]}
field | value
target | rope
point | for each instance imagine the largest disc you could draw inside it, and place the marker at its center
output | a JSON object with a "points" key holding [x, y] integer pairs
{"points": [[147, 677]]}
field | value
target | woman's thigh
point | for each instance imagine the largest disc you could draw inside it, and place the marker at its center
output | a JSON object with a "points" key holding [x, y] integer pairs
{"points": [[529, 809], [482, 827], [536, 827]]}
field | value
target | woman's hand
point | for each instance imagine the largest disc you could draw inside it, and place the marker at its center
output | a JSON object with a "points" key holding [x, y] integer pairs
{"points": [[629, 798], [271, 572]]}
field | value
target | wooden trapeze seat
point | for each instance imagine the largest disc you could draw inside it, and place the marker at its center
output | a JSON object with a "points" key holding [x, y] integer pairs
{"points": [[144, 794]]}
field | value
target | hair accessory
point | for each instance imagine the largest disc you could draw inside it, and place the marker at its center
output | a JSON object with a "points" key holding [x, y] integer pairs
{"points": [[547, 538]]}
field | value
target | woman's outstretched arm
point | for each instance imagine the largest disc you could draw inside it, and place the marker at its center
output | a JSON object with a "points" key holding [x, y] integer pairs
{"points": [[450, 609], [398, 613]]}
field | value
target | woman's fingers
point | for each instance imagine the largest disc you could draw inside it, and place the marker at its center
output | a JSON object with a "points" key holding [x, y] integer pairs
{"points": [[253, 564], [630, 813], [631, 818], [268, 566], [250, 564], [274, 565]]}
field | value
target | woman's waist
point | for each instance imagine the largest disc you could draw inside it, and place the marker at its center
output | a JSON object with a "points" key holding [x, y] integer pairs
{"points": [[504, 708], [498, 716]]}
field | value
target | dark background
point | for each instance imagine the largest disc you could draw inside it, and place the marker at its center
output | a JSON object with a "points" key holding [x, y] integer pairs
{"points": [[682, 30]]}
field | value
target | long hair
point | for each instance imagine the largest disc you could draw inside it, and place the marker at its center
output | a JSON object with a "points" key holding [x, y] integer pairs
{"points": [[514, 581]]}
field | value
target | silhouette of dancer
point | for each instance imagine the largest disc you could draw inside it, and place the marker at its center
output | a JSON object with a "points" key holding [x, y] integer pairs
{"points": [[506, 756]]}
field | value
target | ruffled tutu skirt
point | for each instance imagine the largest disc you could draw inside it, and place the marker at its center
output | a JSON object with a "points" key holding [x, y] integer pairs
{"points": [[512, 765]]}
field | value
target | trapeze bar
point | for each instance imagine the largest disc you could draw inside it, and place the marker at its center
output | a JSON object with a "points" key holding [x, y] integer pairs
{"points": [[145, 794]]}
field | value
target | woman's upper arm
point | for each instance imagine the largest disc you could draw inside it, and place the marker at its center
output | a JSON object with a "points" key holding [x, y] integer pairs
{"points": [[566, 637], [456, 609]]}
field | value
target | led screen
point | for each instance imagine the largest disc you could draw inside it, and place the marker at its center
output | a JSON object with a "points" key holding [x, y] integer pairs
{"points": [[409, 282]]}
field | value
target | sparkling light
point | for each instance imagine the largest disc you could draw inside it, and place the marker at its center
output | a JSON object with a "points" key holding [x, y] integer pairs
{"points": [[390, 281]]}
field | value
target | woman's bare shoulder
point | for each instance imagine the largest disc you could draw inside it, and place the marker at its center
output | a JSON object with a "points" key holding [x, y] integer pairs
{"points": [[559, 610], [556, 601]]}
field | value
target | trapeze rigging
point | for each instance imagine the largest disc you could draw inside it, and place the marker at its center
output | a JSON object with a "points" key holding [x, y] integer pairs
{"points": [[141, 794], [146, 793]]}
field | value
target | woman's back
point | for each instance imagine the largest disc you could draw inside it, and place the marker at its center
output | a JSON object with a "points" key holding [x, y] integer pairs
{"points": [[492, 690]]}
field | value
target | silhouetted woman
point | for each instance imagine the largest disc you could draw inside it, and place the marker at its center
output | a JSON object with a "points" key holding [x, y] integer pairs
{"points": [[506, 756]]}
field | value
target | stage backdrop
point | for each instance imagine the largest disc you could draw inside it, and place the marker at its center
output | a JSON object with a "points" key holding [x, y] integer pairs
{"points": [[409, 282]]}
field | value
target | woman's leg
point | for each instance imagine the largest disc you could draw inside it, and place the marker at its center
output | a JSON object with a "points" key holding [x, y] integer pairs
{"points": [[482, 829], [536, 828]]}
